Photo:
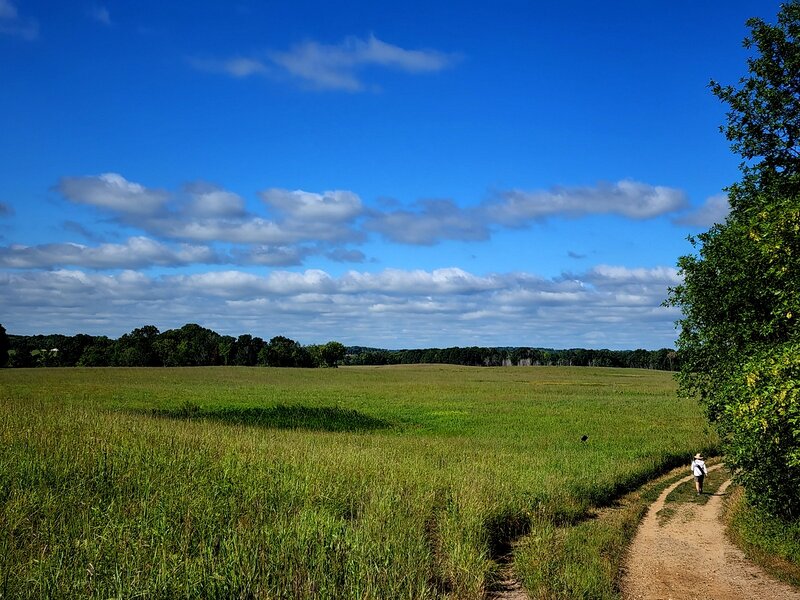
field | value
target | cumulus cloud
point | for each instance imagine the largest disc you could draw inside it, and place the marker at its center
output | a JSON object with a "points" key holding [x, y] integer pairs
{"points": [[14, 24], [113, 192], [335, 67], [251, 230], [209, 200], [399, 281], [294, 224], [429, 222], [626, 198], [331, 66], [207, 213], [309, 206], [432, 221], [714, 210], [617, 306], [135, 253]]}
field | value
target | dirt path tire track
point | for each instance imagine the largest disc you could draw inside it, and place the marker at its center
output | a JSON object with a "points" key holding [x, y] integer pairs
{"points": [[690, 558]]}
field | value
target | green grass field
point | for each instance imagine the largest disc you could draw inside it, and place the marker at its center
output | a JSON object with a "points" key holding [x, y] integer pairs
{"points": [[360, 482]]}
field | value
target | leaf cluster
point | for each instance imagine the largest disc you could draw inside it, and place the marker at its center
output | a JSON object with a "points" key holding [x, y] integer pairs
{"points": [[764, 110]]}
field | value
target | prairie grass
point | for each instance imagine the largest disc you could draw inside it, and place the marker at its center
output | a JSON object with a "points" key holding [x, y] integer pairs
{"points": [[360, 482]]}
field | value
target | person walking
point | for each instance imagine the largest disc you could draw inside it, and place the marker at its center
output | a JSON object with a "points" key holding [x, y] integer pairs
{"points": [[699, 471]]}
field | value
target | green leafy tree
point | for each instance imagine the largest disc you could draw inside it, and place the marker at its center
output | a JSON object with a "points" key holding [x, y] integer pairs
{"points": [[332, 353], [764, 115], [284, 352], [247, 350], [97, 354], [137, 348], [739, 343], [226, 348]]}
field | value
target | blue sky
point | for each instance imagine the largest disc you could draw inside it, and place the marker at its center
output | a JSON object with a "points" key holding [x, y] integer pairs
{"points": [[406, 174]]}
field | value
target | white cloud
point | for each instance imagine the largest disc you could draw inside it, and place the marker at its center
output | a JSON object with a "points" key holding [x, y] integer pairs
{"points": [[135, 253], [391, 308], [335, 67], [299, 205], [331, 66], [431, 222], [626, 198], [211, 214], [252, 230], [212, 201], [112, 191], [617, 306], [714, 210], [619, 274], [399, 281], [295, 224]]}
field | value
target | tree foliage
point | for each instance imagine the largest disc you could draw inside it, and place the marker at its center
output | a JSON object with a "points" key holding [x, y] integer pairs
{"points": [[4, 346], [284, 352], [740, 341]]}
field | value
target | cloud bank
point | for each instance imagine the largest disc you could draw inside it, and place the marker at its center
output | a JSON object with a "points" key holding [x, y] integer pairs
{"points": [[607, 306], [207, 224], [199, 254]]}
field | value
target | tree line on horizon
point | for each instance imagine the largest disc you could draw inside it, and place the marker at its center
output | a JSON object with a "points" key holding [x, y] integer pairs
{"points": [[193, 345]]}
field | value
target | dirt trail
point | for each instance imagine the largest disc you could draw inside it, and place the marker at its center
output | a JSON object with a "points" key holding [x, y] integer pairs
{"points": [[689, 558], [509, 588]]}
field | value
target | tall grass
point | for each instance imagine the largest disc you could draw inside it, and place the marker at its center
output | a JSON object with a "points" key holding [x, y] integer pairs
{"points": [[768, 540], [227, 482]]}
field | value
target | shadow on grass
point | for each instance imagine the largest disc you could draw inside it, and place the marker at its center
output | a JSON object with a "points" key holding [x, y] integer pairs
{"points": [[325, 418]]}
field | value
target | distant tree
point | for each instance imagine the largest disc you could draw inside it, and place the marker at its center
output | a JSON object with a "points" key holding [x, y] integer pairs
{"points": [[248, 349], [332, 353], [4, 346], [20, 353], [137, 348], [284, 352], [191, 346], [97, 354], [227, 349], [71, 348]]}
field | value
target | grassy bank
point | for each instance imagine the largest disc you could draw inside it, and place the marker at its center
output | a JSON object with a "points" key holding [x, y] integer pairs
{"points": [[769, 542], [401, 482]]}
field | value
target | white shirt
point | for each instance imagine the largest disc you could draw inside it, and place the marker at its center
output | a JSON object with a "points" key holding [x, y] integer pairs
{"points": [[699, 467]]}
